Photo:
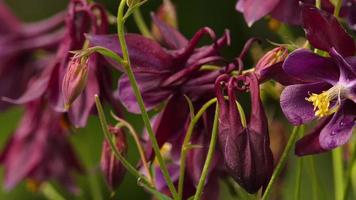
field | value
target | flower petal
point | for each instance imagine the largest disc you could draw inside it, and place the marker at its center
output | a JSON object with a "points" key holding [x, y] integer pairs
{"points": [[148, 84], [307, 66], [324, 31], [288, 11], [170, 36], [339, 130], [294, 106], [254, 10], [146, 55]]}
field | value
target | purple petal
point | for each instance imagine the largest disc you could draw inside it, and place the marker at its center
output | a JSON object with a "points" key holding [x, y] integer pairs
{"points": [[146, 55], [170, 36], [288, 11], [339, 130], [152, 94], [324, 31], [254, 10], [347, 70], [170, 122], [294, 106], [306, 66]]}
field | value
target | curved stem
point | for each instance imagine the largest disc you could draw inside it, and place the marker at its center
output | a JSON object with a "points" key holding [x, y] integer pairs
{"points": [[139, 147], [281, 162], [141, 23], [210, 154], [108, 137], [144, 115], [299, 171], [185, 146]]}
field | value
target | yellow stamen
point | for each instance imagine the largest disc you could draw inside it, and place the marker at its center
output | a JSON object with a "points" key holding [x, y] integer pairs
{"points": [[321, 102]]}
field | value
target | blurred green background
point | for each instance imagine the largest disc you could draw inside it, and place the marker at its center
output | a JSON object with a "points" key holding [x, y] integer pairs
{"points": [[192, 15]]}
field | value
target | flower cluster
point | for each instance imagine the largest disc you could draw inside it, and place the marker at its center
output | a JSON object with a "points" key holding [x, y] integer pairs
{"points": [[178, 80]]}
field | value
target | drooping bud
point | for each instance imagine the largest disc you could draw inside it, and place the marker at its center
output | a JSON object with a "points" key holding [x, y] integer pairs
{"points": [[245, 147], [112, 168], [131, 3], [74, 80], [274, 56]]}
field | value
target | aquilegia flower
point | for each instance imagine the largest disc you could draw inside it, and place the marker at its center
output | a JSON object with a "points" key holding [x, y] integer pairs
{"points": [[19, 43], [40, 150], [81, 18], [329, 88], [244, 145]]}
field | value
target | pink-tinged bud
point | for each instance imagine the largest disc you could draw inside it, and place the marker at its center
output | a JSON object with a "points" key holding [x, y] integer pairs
{"points": [[276, 55], [112, 168], [270, 65], [74, 80]]}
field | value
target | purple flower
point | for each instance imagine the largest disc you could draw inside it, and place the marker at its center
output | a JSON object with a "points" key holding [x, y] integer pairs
{"points": [[39, 149], [166, 74], [19, 43], [287, 11], [244, 145], [81, 18], [329, 88], [112, 168]]}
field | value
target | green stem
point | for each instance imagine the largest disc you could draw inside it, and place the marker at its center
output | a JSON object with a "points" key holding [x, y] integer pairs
{"points": [[144, 115], [315, 179], [338, 173], [337, 8], [281, 162], [139, 147], [185, 146], [209, 157], [349, 174], [50, 192], [141, 23], [318, 4], [298, 178], [109, 139]]}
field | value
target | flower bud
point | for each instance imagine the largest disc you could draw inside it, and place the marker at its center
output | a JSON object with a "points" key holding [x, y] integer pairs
{"points": [[74, 80], [167, 13], [131, 3], [270, 65], [112, 168], [272, 57]]}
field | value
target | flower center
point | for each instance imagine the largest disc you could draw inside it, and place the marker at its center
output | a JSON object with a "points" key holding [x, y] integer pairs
{"points": [[321, 102]]}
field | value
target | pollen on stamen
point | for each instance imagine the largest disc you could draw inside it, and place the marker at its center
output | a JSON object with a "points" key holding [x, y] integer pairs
{"points": [[321, 103]]}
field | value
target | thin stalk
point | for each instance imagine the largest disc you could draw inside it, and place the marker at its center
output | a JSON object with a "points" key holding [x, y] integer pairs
{"points": [[50, 192], [109, 139], [185, 146], [318, 4], [338, 170], [349, 174], [299, 171], [281, 162], [337, 8], [140, 22], [133, 82], [209, 157], [139, 147], [315, 179]]}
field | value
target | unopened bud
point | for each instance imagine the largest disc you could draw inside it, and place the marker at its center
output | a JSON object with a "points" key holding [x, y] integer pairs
{"points": [[74, 80], [271, 63], [167, 13], [112, 168]]}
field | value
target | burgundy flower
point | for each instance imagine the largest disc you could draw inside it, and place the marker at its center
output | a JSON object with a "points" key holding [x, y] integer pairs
{"points": [[166, 74], [112, 168], [245, 146], [18, 44], [329, 89], [39, 149], [81, 18]]}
